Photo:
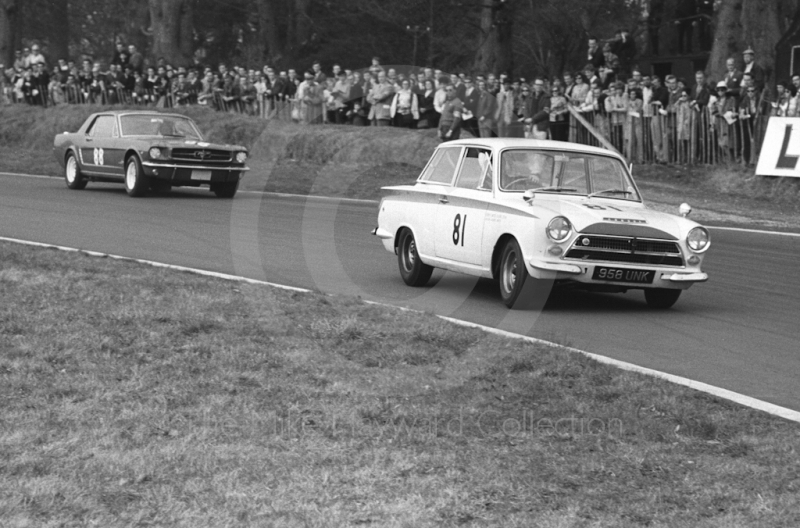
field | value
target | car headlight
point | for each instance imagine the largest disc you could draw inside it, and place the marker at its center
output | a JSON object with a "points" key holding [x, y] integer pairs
{"points": [[155, 152], [559, 229], [241, 157], [698, 239]]}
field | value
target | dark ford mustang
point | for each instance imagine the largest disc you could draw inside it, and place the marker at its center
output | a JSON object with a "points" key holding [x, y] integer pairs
{"points": [[147, 150]]}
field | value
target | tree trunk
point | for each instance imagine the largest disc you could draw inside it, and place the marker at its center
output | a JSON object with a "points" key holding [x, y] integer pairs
{"points": [[269, 40], [59, 38], [172, 30], [742, 24], [8, 15], [494, 48]]}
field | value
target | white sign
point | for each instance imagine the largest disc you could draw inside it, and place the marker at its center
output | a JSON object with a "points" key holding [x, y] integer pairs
{"points": [[780, 152]]}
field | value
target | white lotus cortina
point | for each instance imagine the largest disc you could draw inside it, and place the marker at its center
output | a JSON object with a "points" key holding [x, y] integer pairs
{"points": [[539, 212]]}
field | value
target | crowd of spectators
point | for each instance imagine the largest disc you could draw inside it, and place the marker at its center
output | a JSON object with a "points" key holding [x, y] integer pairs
{"points": [[637, 113]]}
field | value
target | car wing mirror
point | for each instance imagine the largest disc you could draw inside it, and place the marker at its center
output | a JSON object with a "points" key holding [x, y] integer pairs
{"points": [[528, 196]]}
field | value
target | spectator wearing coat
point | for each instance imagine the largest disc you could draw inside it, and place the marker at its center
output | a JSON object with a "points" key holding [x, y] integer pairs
{"points": [[429, 117], [486, 111], [753, 69], [405, 107], [450, 122], [505, 109], [470, 99], [733, 77], [380, 97], [537, 110]]}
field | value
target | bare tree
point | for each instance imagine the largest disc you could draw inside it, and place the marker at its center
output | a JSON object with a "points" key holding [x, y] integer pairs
{"points": [[8, 13], [59, 37], [269, 38], [742, 24], [494, 51], [171, 23]]}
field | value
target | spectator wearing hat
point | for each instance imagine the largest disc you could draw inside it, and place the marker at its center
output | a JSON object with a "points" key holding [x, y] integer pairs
{"points": [[537, 110], [724, 113], [753, 69]]}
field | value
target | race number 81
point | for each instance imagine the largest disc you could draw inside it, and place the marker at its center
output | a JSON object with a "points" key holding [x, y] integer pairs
{"points": [[458, 229]]}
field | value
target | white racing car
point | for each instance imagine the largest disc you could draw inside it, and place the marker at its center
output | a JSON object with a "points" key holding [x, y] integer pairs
{"points": [[527, 211]]}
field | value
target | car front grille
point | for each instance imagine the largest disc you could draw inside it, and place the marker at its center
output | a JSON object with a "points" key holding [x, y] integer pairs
{"points": [[200, 155], [630, 250]]}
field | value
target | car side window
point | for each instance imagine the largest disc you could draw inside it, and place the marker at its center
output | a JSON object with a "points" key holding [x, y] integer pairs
{"points": [[103, 127], [442, 166], [473, 168]]}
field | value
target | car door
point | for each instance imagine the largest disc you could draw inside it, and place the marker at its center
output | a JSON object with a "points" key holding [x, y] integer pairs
{"points": [[100, 152], [434, 185], [461, 210]]}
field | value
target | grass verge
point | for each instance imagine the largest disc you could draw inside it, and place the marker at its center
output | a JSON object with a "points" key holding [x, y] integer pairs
{"points": [[141, 396]]}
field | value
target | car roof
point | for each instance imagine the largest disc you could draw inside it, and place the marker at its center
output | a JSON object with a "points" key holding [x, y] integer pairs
{"points": [[498, 143], [140, 112]]}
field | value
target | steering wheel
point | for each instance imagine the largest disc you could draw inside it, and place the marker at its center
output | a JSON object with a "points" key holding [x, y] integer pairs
{"points": [[527, 181]]}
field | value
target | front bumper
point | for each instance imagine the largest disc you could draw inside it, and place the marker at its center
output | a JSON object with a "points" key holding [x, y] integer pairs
{"points": [[583, 272], [193, 174]]}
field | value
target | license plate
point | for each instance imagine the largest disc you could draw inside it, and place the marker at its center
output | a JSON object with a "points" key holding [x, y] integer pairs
{"points": [[623, 275], [202, 175]]}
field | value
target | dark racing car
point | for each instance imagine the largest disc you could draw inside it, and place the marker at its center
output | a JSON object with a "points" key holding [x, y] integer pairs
{"points": [[147, 150]]}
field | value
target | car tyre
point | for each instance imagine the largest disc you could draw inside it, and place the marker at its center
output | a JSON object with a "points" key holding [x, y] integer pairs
{"points": [[136, 183], [72, 173], [512, 273], [661, 298], [225, 190], [413, 271]]}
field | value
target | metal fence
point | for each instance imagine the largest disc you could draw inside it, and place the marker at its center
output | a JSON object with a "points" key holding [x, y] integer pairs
{"points": [[680, 135], [683, 136]]}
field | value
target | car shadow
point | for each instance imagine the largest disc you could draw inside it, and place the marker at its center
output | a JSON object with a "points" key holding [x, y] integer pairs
{"points": [[565, 299]]}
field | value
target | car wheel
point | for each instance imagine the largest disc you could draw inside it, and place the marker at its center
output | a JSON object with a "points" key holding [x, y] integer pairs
{"points": [[412, 269], [225, 190], [661, 298], [513, 273], [72, 173], [136, 183]]}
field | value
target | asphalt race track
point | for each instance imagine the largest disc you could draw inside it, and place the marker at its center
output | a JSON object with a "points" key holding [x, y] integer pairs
{"points": [[738, 331]]}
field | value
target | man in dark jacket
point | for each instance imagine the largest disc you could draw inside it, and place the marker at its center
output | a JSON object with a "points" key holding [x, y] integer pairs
{"points": [[471, 97], [537, 110]]}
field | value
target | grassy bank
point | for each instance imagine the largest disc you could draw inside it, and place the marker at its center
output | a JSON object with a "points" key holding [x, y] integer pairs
{"points": [[356, 162], [141, 396]]}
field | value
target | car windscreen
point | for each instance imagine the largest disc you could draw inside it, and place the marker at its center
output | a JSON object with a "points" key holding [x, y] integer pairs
{"points": [[565, 172], [153, 125]]}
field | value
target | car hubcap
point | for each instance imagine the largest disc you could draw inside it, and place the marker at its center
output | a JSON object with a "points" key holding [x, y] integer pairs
{"points": [[71, 169], [130, 175], [410, 254], [510, 272]]}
